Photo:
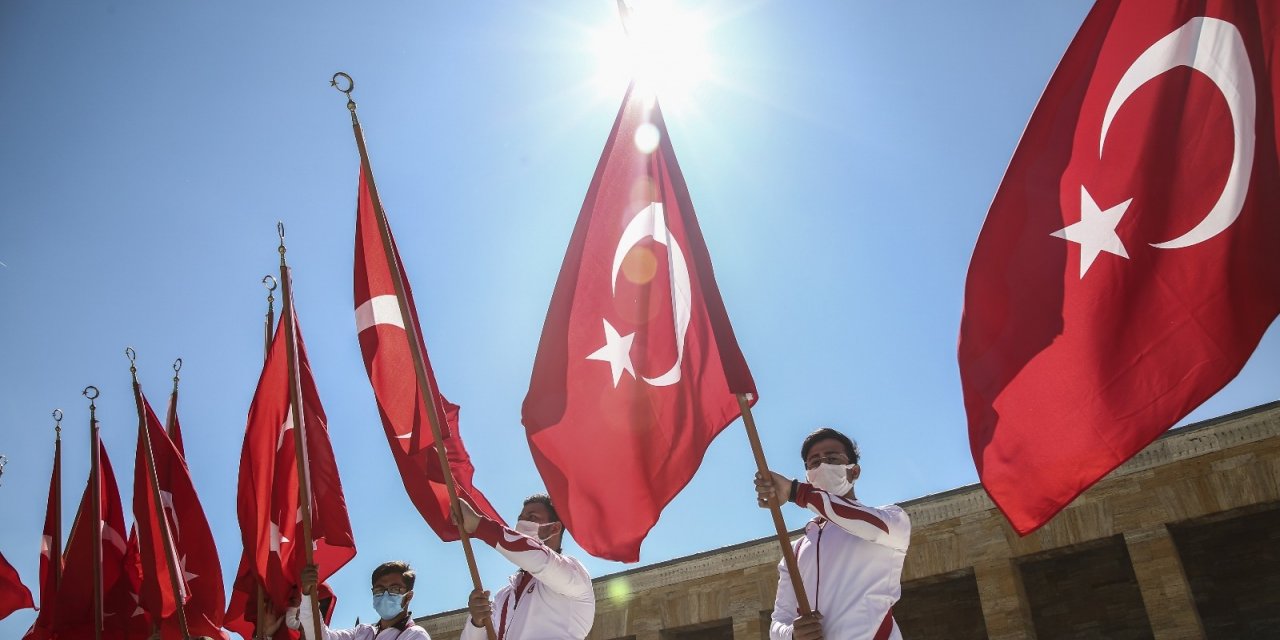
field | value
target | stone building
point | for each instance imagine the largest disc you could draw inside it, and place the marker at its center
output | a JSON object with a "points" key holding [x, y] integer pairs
{"points": [[1182, 541]]}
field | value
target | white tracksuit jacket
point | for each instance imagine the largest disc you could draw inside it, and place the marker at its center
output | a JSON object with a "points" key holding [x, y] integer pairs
{"points": [[557, 601], [850, 560]]}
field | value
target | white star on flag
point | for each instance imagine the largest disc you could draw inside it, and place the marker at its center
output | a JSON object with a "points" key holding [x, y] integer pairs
{"points": [[1096, 231], [616, 351]]}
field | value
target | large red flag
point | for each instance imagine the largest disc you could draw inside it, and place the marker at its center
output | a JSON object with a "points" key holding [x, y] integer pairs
{"points": [[267, 503], [637, 363], [50, 551], [200, 572], [389, 361], [1127, 267], [75, 606], [13, 594]]}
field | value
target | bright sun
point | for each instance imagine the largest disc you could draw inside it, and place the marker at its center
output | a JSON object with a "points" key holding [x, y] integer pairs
{"points": [[665, 52]]}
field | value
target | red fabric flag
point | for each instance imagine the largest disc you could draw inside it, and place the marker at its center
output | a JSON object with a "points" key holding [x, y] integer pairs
{"points": [[50, 553], [1126, 270], [637, 357], [13, 594], [200, 572], [267, 503], [389, 361], [242, 613], [75, 605]]}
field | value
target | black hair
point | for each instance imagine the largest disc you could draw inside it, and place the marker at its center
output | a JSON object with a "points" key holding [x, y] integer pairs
{"points": [[544, 500], [395, 566], [827, 433]]}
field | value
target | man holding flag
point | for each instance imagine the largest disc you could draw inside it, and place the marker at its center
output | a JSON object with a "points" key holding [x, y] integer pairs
{"points": [[852, 592], [554, 589], [392, 590]]}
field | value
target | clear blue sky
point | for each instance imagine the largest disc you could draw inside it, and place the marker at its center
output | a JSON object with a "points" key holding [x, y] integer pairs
{"points": [[841, 158]]}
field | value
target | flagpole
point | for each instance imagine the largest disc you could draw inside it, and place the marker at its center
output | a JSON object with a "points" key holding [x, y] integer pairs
{"points": [[171, 418], [144, 434], [269, 281], [299, 421], [411, 334], [55, 544], [95, 484], [268, 325], [788, 554]]}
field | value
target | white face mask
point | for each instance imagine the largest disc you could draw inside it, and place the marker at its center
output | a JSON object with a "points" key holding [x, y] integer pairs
{"points": [[531, 529], [832, 478]]}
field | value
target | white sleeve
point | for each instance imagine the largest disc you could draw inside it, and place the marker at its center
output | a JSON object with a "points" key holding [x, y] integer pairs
{"points": [[558, 572], [784, 606], [889, 526], [305, 625]]}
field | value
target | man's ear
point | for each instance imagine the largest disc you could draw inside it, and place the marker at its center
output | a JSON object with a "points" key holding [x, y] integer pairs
{"points": [[557, 527], [407, 597], [855, 472]]}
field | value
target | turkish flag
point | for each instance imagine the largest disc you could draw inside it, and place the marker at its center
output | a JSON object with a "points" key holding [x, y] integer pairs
{"points": [[388, 359], [50, 552], [1126, 270], [638, 367], [13, 594], [267, 501], [195, 554], [242, 611], [75, 607]]}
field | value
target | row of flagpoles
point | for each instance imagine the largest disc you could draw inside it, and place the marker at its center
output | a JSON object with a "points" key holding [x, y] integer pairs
{"points": [[290, 503]]}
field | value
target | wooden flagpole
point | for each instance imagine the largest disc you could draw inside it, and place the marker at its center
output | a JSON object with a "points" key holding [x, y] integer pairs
{"points": [[171, 418], [268, 326], [144, 434], [411, 334], [788, 554], [95, 482], [299, 422], [55, 544]]}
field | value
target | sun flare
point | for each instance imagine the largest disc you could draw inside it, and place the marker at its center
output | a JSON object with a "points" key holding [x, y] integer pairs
{"points": [[663, 49]]}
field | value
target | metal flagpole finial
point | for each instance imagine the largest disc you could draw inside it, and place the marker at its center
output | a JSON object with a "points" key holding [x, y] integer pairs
{"points": [[91, 398], [133, 362], [351, 85], [3, 461], [57, 422], [177, 366]]}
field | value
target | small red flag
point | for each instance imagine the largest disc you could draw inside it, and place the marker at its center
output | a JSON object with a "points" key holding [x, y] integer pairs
{"points": [[50, 553], [388, 359], [638, 363], [75, 605], [267, 503], [196, 556], [1126, 270], [13, 594]]}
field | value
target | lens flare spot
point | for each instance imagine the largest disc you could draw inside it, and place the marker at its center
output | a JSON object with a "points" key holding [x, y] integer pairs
{"points": [[640, 265], [619, 589], [647, 138]]}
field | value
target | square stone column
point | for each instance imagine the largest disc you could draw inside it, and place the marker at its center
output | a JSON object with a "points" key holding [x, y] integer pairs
{"points": [[1005, 609], [1166, 594], [749, 627]]}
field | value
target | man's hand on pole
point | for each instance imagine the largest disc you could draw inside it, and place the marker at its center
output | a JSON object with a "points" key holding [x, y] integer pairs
{"points": [[807, 627], [480, 607], [772, 489], [466, 517], [310, 576]]}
